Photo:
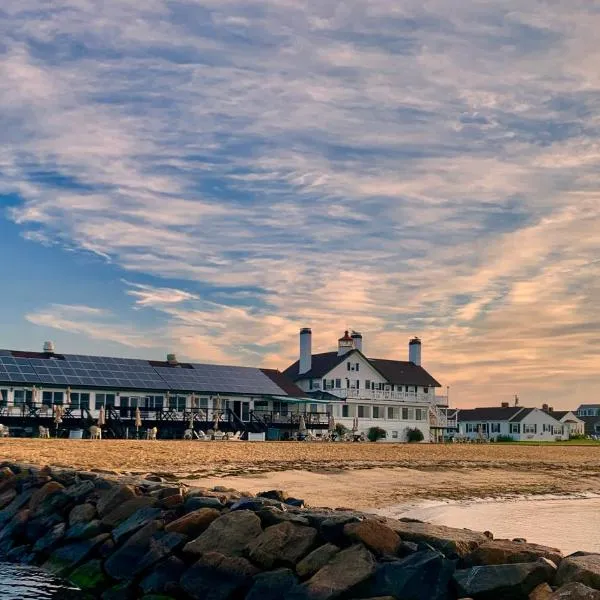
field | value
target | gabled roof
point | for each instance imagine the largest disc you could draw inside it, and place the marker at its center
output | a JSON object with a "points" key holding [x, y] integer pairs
{"points": [[281, 381], [398, 372], [494, 413]]}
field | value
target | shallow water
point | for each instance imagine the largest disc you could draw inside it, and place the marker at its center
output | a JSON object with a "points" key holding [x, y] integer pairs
{"points": [[568, 524], [18, 582]]}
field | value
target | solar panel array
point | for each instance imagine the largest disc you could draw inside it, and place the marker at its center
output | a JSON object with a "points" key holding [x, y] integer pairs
{"points": [[123, 373]]}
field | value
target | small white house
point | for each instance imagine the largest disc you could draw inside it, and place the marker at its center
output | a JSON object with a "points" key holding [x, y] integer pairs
{"points": [[572, 423], [519, 423]]}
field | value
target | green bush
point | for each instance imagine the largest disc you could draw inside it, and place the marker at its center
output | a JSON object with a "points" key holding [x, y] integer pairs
{"points": [[505, 438], [414, 435], [577, 436], [376, 433], [341, 430]]}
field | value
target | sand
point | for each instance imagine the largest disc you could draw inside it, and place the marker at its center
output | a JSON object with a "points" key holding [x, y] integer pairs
{"points": [[353, 475]]}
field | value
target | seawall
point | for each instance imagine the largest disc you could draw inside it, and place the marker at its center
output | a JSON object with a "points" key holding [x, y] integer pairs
{"points": [[125, 538]]}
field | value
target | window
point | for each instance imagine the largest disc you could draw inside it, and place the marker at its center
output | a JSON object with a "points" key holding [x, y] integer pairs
{"points": [[3, 397], [80, 400], [394, 435], [50, 398], [363, 412], [515, 428], [338, 384], [390, 412], [280, 407], [529, 428], [107, 400], [376, 413], [345, 410], [348, 366], [328, 384], [471, 428], [314, 408], [154, 402], [357, 366], [408, 414], [316, 384], [426, 390], [22, 397], [367, 384], [419, 414], [495, 427]]}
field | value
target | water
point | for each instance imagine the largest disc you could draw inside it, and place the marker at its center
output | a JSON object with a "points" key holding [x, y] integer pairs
{"points": [[18, 582], [567, 524]]}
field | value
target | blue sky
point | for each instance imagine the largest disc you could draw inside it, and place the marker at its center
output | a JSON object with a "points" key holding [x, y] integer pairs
{"points": [[208, 177]]}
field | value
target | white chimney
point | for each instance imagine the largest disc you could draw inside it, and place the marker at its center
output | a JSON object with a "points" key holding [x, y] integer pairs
{"points": [[305, 363], [414, 351], [357, 339], [49, 347]]}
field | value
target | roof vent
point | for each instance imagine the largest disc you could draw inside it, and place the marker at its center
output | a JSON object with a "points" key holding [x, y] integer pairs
{"points": [[49, 347], [504, 405], [172, 359]]}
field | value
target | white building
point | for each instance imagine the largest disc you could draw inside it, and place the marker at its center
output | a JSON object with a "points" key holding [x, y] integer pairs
{"points": [[516, 422], [394, 395], [590, 414], [573, 424]]}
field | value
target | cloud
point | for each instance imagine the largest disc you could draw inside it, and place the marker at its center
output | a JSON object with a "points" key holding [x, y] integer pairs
{"points": [[397, 167]]}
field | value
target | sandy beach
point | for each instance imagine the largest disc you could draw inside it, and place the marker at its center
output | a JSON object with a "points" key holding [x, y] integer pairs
{"points": [[352, 475]]}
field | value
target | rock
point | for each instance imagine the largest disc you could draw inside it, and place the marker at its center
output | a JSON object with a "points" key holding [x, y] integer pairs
{"points": [[161, 545], [136, 521], [453, 543], [218, 577], [80, 491], [121, 565], [52, 487], [84, 531], [89, 577], [69, 557], [22, 555], [295, 502], [121, 591], [197, 502], [500, 552], [227, 535], [273, 516], [113, 498], [163, 576], [15, 506], [39, 526], [584, 569], [170, 491], [125, 510], [332, 528], [541, 592], [14, 530], [82, 513], [171, 502], [281, 545], [347, 569], [7, 497], [374, 535], [420, 575], [500, 582], [316, 560], [278, 495], [194, 523], [406, 548], [47, 542], [272, 585], [255, 504], [575, 591]]}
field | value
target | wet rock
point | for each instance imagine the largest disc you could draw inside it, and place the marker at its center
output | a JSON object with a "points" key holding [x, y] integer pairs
{"points": [[121, 591], [582, 568], [332, 527], [272, 585], [281, 545], [67, 558], [80, 491], [316, 560], [125, 510], [420, 575], [198, 502], [218, 577], [38, 496], [503, 582], [194, 523], [15, 506], [575, 591], [90, 577], [227, 535], [13, 531], [21, 554], [164, 576], [135, 522], [83, 513], [347, 569], [84, 531], [161, 545], [7, 497], [255, 504], [374, 535], [273, 516], [500, 552], [453, 543], [37, 527], [114, 497], [51, 539]]}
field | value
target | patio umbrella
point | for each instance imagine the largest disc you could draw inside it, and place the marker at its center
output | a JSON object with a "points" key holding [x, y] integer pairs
{"points": [[217, 412], [331, 424], [355, 424], [101, 417], [68, 396], [301, 424], [34, 394], [191, 423], [138, 421]]}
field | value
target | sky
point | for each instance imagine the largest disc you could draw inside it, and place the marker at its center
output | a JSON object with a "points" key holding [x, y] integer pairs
{"points": [[207, 177]]}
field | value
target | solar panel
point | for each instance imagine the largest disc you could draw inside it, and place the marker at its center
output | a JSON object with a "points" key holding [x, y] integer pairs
{"points": [[16, 370]]}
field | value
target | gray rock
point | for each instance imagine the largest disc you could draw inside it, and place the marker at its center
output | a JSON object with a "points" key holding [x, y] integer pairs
{"points": [[66, 558], [581, 568], [575, 591], [281, 545], [163, 576], [48, 542], [90, 577], [228, 535], [218, 577], [84, 531], [501, 552], [162, 545], [80, 491], [38, 527], [125, 510], [14, 530], [135, 522], [114, 497], [83, 513], [123, 591], [15, 506], [7, 497], [39, 495], [272, 585], [406, 548], [503, 582], [197, 502], [316, 560], [273, 516], [255, 504], [332, 528]]}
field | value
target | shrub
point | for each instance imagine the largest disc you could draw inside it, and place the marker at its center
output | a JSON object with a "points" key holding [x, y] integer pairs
{"points": [[577, 436], [376, 433], [340, 429], [505, 438], [414, 435]]}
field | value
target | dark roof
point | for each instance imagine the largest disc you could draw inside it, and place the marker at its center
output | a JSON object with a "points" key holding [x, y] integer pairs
{"points": [[494, 413], [558, 414], [280, 380], [394, 371]]}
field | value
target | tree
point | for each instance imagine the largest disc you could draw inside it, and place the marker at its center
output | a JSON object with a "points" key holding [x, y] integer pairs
{"points": [[376, 433], [414, 435]]}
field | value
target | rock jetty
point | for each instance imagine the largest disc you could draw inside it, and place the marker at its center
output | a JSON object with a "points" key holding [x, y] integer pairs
{"points": [[124, 538]]}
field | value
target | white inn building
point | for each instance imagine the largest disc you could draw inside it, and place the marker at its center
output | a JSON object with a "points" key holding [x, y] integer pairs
{"points": [[395, 395]]}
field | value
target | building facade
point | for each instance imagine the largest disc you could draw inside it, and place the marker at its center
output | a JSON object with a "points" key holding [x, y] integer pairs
{"points": [[391, 394], [590, 415]]}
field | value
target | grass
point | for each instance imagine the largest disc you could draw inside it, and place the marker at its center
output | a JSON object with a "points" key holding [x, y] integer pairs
{"points": [[561, 443]]}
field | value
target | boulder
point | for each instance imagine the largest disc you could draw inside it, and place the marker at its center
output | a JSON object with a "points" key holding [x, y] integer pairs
{"points": [[13, 531], [38, 496], [347, 569], [255, 504], [51, 539], [453, 543], [125, 510], [161, 546], [114, 497], [501, 552], [39, 526], [332, 527], [281, 545], [376, 536], [135, 522], [406, 548], [7, 497], [196, 502], [194, 523], [228, 535], [80, 491], [90, 577], [67, 558], [575, 591], [316, 560], [541, 592], [84, 531], [503, 582], [273, 516], [218, 577], [272, 585], [122, 591], [164, 576], [171, 502], [82, 513], [582, 568], [278, 495], [420, 575], [18, 502]]}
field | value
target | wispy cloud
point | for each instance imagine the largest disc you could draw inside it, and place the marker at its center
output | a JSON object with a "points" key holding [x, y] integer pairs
{"points": [[398, 167]]}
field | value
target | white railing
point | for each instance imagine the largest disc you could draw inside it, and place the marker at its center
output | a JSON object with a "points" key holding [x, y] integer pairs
{"points": [[383, 395]]}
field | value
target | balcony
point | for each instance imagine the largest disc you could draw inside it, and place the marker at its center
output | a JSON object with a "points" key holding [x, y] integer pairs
{"points": [[378, 395]]}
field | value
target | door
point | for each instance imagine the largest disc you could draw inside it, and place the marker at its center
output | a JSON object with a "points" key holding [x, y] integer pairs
{"points": [[237, 409]]}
